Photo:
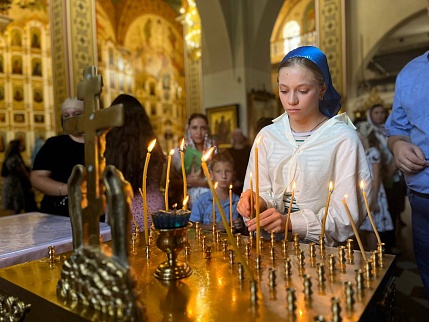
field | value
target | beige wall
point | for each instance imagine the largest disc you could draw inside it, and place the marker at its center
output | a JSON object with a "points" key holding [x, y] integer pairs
{"points": [[368, 22]]}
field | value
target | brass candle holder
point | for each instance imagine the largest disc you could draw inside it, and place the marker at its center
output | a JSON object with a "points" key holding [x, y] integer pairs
{"points": [[171, 242], [171, 228]]}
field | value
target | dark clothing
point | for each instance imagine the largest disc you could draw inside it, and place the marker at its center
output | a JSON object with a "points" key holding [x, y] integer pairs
{"points": [[241, 158], [58, 155], [17, 194]]}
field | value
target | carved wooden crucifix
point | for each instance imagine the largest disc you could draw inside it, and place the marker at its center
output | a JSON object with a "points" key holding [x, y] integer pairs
{"points": [[94, 123]]}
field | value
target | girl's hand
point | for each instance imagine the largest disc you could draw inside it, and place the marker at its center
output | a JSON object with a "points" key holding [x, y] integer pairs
{"points": [[243, 206], [271, 221]]}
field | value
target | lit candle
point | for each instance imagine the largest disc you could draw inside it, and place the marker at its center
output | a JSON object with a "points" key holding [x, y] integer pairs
{"points": [[214, 206], [185, 203], [222, 213], [251, 196], [230, 205], [167, 180], [182, 159], [258, 225], [331, 187], [362, 250], [290, 210], [362, 185], [145, 209]]}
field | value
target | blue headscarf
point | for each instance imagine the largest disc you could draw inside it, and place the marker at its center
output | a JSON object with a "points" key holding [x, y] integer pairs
{"points": [[330, 104]]}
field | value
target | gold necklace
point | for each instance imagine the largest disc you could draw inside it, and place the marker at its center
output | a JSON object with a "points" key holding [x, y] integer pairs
{"points": [[318, 124]]}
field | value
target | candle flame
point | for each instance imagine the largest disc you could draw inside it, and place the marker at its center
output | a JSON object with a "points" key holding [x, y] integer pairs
{"points": [[174, 206], [171, 152], [294, 185], [230, 187], [182, 145], [215, 184], [250, 175], [331, 186], [346, 196], [206, 155], [362, 184], [185, 201], [258, 140], [151, 145]]}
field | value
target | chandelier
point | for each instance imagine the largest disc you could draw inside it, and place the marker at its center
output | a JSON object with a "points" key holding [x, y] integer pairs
{"points": [[190, 18]]}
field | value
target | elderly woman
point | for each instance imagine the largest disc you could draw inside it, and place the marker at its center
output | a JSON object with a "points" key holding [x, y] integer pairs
{"points": [[55, 161]]}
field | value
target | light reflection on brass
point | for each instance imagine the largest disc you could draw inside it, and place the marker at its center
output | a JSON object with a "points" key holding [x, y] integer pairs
{"points": [[288, 267], [322, 247], [231, 256], [336, 309], [380, 249], [374, 264], [171, 242], [258, 263], [238, 239], [240, 271], [247, 249], [296, 243], [342, 258], [350, 301], [272, 253], [208, 252], [218, 280], [285, 248]]}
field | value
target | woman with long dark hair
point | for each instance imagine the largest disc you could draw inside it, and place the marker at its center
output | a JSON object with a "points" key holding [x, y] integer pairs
{"points": [[126, 149]]}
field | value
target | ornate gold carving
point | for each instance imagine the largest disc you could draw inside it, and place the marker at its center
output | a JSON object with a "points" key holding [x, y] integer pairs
{"points": [[91, 277], [12, 309], [331, 39]]}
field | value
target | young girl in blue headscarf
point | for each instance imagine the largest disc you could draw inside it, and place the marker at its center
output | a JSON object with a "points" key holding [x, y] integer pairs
{"points": [[309, 145]]}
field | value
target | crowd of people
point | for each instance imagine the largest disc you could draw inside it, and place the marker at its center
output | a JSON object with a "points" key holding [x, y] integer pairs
{"points": [[300, 152]]}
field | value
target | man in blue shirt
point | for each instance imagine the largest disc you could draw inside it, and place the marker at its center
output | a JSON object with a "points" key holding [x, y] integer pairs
{"points": [[408, 131]]}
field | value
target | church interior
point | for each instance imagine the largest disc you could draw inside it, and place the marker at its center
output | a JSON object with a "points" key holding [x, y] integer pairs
{"points": [[217, 57]]}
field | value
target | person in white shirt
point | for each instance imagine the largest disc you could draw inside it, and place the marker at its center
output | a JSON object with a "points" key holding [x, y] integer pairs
{"points": [[308, 145]]}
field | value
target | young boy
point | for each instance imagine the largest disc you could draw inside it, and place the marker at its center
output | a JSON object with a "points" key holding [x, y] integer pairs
{"points": [[221, 171]]}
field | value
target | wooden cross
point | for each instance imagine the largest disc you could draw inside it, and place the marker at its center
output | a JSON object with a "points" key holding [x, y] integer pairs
{"points": [[94, 124]]}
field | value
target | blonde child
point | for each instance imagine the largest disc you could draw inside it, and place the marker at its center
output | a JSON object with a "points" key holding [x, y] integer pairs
{"points": [[222, 172]]}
